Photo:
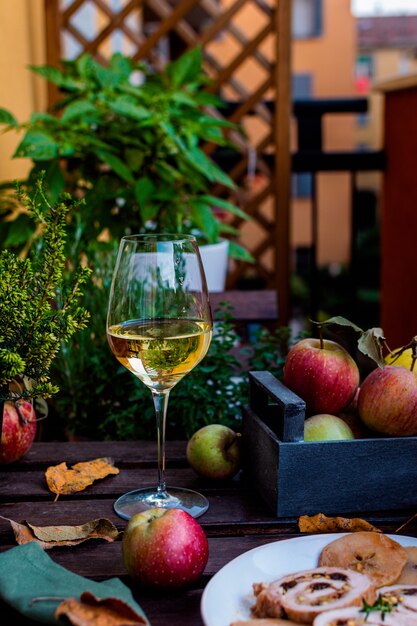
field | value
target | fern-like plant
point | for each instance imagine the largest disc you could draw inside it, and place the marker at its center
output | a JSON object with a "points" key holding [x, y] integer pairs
{"points": [[37, 310]]}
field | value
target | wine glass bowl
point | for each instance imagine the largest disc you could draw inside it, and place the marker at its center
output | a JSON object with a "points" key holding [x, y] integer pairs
{"points": [[159, 326]]}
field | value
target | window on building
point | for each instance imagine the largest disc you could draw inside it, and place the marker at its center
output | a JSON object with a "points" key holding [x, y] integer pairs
{"points": [[306, 18], [302, 185], [302, 89]]}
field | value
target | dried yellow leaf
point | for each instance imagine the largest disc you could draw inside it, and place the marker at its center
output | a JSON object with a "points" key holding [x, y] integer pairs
{"points": [[52, 536], [322, 524], [89, 610], [62, 480]]}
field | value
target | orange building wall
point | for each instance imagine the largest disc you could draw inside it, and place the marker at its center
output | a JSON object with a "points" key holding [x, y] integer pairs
{"points": [[21, 44]]}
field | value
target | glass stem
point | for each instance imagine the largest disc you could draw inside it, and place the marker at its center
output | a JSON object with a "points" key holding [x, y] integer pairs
{"points": [[160, 400]]}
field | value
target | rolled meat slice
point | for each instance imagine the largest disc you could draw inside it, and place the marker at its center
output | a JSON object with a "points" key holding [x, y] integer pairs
{"points": [[304, 595], [401, 596], [352, 616]]}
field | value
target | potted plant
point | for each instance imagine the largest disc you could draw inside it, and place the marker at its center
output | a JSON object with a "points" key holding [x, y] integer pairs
{"points": [[38, 312], [128, 140]]}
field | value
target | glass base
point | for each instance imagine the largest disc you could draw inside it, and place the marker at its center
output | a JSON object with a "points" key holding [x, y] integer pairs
{"points": [[174, 498]]}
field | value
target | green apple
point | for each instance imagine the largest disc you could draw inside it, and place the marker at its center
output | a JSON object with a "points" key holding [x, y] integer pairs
{"points": [[214, 452], [325, 427]]}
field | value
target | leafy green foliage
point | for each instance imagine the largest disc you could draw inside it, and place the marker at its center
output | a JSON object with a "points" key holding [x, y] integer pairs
{"points": [[36, 313], [131, 141]]}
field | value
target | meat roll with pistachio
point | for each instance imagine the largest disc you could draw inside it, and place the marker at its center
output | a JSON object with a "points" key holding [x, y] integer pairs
{"points": [[304, 595]]}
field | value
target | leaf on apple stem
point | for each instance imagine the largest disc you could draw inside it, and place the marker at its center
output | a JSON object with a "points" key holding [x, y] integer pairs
{"points": [[323, 524], [370, 343], [52, 536], [101, 612], [62, 480], [337, 321]]}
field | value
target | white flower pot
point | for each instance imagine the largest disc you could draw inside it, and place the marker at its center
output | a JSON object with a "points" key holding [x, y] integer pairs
{"points": [[215, 262]]}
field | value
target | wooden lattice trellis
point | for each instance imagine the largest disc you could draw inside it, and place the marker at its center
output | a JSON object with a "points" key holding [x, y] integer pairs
{"points": [[246, 47]]}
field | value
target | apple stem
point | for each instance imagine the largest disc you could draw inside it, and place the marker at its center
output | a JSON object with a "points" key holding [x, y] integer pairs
{"points": [[237, 436], [413, 353], [320, 336], [384, 343]]}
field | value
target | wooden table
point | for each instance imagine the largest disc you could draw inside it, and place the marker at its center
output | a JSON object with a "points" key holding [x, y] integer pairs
{"points": [[235, 522]]}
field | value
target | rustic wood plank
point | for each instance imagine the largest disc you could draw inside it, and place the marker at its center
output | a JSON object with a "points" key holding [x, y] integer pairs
{"points": [[126, 454], [249, 306], [234, 513], [34, 487], [91, 559]]}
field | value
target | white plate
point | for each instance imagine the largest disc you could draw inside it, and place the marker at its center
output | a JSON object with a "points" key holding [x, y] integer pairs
{"points": [[228, 596]]}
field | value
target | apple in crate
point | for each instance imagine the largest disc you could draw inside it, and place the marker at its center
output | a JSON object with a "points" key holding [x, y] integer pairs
{"points": [[214, 452], [18, 430], [387, 401], [323, 374], [326, 427], [164, 548]]}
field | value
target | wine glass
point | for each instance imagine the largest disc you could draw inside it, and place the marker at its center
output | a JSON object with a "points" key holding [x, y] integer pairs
{"points": [[159, 326]]}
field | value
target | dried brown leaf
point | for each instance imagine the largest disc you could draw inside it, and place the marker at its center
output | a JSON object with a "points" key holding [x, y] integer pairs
{"points": [[89, 610], [322, 524], [52, 536], [62, 480]]}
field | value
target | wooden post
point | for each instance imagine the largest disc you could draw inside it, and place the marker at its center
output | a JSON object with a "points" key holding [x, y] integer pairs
{"points": [[399, 213], [53, 43], [282, 157]]}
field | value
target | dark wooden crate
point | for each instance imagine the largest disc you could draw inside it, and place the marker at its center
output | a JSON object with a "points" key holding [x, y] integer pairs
{"points": [[295, 477]]}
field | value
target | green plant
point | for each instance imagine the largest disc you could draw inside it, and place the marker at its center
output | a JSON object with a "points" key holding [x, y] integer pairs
{"points": [[128, 140], [37, 311]]}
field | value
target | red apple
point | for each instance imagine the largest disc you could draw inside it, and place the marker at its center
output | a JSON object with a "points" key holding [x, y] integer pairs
{"points": [[388, 401], [18, 431], [324, 375], [164, 548]]}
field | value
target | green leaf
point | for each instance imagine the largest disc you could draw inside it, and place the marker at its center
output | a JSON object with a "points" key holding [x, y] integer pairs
{"points": [[125, 106], [20, 230], [144, 190], [117, 165], [43, 117], [78, 108], [183, 98], [85, 65], [134, 158], [37, 145], [187, 68], [204, 219], [54, 75], [370, 343], [7, 118], [208, 120], [338, 320], [121, 67], [226, 205], [206, 98], [238, 252], [208, 168], [224, 227], [54, 179]]}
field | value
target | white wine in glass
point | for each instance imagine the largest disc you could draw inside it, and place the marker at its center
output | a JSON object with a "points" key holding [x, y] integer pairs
{"points": [[159, 326]]}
